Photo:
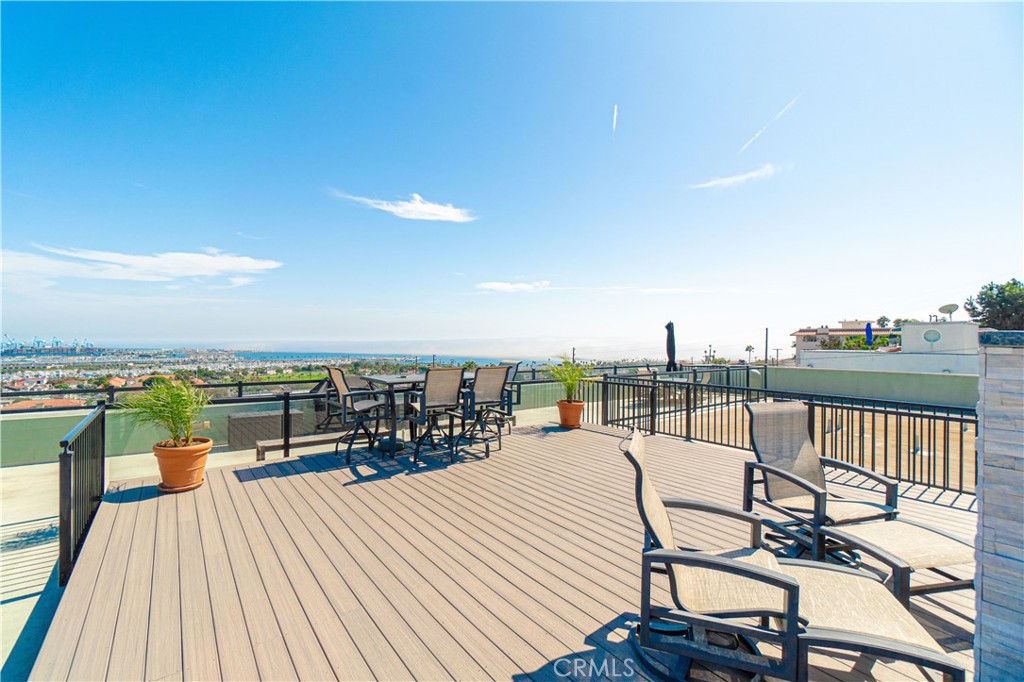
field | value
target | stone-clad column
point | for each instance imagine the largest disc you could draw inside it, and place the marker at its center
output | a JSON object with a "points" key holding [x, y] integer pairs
{"points": [[999, 634]]}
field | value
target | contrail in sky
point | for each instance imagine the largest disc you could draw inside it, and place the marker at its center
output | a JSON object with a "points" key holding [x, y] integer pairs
{"points": [[768, 124], [615, 118]]}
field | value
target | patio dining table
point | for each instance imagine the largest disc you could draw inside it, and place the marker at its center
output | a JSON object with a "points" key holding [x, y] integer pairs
{"points": [[395, 384]]}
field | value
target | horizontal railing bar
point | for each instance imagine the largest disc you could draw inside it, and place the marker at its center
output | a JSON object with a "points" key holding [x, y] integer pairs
{"points": [[82, 425]]}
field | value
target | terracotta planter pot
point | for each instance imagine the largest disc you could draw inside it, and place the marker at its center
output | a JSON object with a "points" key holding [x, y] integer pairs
{"points": [[570, 412], [182, 468]]}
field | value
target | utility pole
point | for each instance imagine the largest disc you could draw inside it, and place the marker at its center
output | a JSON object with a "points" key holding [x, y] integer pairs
{"points": [[776, 356], [574, 355]]}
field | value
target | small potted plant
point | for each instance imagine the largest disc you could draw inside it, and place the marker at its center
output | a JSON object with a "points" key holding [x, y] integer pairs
{"points": [[570, 375], [175, 406]]}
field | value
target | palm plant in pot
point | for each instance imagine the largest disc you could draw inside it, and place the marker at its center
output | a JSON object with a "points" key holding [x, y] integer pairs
{"points": [[570, 375], [175, 406]]}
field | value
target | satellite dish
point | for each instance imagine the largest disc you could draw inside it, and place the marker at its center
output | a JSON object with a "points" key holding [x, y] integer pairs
{"points": [[949, 309]]}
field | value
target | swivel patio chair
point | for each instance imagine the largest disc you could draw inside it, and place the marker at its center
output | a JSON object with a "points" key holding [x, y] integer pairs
{"points": [[793, 479], [842, 529], [489, 403], [440, 397], [355, 409], [515, 393], [724, 603]]}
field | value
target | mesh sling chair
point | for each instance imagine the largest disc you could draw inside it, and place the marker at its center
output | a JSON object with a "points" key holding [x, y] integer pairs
{"points": [[726, 602], [489, 403], [793, 479], [440, 397], [515, 394], [355, 409]]}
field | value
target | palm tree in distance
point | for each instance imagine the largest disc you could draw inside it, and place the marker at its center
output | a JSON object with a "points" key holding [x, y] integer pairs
{"points": [[749, 349]]}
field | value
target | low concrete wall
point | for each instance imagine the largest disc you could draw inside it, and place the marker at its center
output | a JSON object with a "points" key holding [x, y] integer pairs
{"points": [[881, 361], [960, 390], [999, 638]]}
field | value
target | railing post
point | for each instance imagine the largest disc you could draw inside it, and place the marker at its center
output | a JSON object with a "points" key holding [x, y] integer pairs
{"points": [[689, 409], [810, 420], [110, 395], [64, 532], [653, 406], [286, 425], [103, 449], [241, 388], [604, 400]]}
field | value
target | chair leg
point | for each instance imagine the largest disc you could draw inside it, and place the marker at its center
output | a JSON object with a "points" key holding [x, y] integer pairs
{"points": [[817, 545], [351, 441], [803, 652]]}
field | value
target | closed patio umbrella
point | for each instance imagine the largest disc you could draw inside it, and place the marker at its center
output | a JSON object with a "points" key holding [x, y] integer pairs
{"points": [[670, 348]]}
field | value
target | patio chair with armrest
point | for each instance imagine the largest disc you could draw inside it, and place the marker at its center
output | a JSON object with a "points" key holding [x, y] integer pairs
{"points": [[440, 397], [355, 409], [515, 393], [724, 603], [489, 403], [793, 478]]}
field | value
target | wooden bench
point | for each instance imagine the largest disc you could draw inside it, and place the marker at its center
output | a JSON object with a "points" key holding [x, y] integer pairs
{"points": [[265, 446]]}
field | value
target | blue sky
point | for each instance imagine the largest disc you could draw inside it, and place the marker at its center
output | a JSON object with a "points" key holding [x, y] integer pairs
{"points": [[507, 179]]}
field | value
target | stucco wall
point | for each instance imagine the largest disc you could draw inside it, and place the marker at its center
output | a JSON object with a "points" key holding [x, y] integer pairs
{"points": [[960, 390], [880, 361]]}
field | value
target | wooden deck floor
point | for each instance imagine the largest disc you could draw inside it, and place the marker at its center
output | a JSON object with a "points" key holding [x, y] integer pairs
{"points": [[486, 569]]}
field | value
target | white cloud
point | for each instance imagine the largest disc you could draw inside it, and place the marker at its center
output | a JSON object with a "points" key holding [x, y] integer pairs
{"points": [[243, 235], [765, 127], [417, 208], [615, 118], [763, 173], [43, 270], [515, 287]]}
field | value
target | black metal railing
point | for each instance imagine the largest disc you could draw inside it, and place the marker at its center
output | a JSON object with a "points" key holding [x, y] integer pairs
{"points": [[711, 374], [915, 442], [82, 478]]}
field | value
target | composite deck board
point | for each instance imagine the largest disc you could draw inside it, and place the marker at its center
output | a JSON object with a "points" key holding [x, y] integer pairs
{"points": [[526, 613], [200, 658], [234, 648], [57, 653], [289, 600], [273, 660], [128, 649], [388, 642], [323, 616], [386, 585], [493, 568], [164, 646], [362, 619], [459, 593], [101, 620]]}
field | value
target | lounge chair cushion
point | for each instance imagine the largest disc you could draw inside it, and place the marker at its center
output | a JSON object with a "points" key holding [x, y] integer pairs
{"points": [[919, 547], [837, 509], [840, 601], [714, 592]]}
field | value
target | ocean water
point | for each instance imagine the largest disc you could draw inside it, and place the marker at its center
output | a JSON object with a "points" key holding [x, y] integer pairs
{"points": [[298, 356]]}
